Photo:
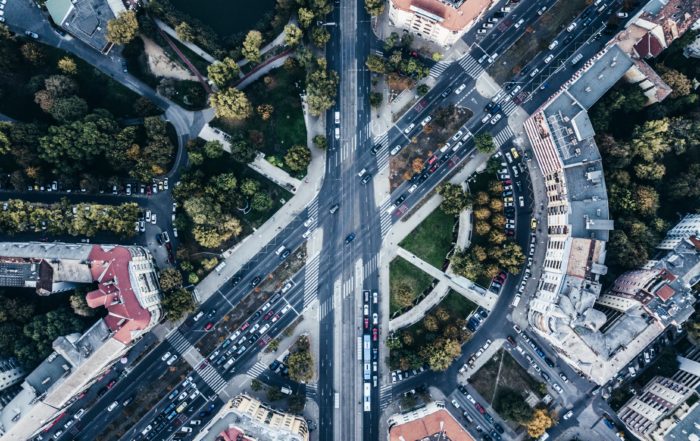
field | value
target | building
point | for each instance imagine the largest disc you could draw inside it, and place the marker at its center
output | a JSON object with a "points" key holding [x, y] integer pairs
{"points": [[440, 21], [11, 373], [431, 422], [688, 226], [86, 20], [127, 286], [249, 419], [665, 403]]}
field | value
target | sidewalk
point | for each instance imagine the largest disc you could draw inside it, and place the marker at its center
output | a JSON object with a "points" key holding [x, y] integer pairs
{"points": [[275, 174], [462, 285], [413, 315], [191, 46], [239, 255], [465, 229]]}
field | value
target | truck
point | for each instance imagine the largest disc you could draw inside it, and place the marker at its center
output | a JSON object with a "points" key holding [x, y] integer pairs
{"points": [[285, 390], [368, 397]]}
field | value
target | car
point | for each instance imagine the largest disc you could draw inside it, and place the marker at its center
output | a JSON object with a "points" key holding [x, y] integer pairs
{"points": [[622, 15], [496, 118], [166, 356], [481, 31], [563, 377], [533, 223], [426, 120], [457, 135], [111, 383], [557, 388], [534, 72], [400, 199], [553, 44], [375, 149], [408, 129], [486, 118], [460, 89], [349, 238], [393, 377], [375, 318], [568, 415], [171, 360], [455, 403], [256, 280], [366, 178], [549, 58], [334, 208], [446, 92], [366, 322], [470, 398], [375, 334], [337, 133], [34, 35], [541, 10], [480, 408], [208, 326]]}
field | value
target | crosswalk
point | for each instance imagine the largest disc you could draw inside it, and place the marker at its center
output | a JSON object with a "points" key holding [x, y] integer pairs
{"points": [[385, 396], [215, 381], [179, 342], [385, 217], [470, 65], [503, 136], [312, 211], [311, 390], [325, 308], [509, 107], [370, 266], [438, 68], [311, 280], [256, 370]]}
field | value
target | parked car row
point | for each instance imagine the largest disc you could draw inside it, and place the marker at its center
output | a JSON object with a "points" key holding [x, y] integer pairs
{"points": [[494, 433], [472, 359]]}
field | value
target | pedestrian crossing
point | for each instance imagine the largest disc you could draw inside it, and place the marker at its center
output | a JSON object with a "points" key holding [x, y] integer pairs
{"points": [[370, 266], [438, 68], [311, 280], [509, 107], [503, 136], [179, 342], [385, 218], [471, 66], [256, 370], [382, 140], [325, 308], [311, 390], [215, 381], [312, 211], [385, 396]]}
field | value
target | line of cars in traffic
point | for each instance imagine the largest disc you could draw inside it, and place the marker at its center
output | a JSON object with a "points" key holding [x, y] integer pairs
{"points": [[533, 362], [487, 434]]}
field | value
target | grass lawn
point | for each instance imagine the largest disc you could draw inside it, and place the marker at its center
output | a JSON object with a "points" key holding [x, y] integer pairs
{"points": [[502, 372], [286, 127], [536, 38], [457, 304], [432, 239], [400, 272]]}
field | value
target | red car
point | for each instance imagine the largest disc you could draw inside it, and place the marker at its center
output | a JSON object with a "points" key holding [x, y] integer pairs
{"points": [[480, 408], [433, 168], [268, 315], [508, 182], [208, 326], [375, 334], [433, 159], [366, 323], [245, 326], [111, 384]]}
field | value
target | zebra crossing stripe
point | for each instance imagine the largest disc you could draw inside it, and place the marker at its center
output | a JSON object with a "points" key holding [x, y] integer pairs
{"points": [[438, 69], [311, 280], [178, 341], [212, 378], [257, 369]]}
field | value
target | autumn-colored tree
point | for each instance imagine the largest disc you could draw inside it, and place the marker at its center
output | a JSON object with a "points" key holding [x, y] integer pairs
{"points": [[482, 213], [481, 198], [540, 422], [417, 164], [123, 29], [67, 65], [482, 228], [403, 295], [265, 111], [430, 323]]}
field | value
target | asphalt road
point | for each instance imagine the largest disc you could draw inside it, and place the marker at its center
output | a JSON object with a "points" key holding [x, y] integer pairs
{"points": [[341, 320]]}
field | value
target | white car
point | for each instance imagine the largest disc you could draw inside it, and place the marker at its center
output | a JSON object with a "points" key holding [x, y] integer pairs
{"points": [[309, 221], [306, 234], [154, 218], [549, 58], [426, 120], [408, 129], [553, 44], [496, 118], [395, 150], [165, 357], [455, 404], [337, 133], [413, 188], [460, 89], [568, 415], [171, 360]]}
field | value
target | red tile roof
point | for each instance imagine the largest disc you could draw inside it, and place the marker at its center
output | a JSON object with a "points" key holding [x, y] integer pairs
{"points": [[110, 268], [453, 19], [665, 292], [434, 423], [232, 433], [649, 46]]}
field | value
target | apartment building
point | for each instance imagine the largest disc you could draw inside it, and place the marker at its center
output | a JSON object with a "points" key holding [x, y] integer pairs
{"points": [[432, 421], [440, 21], [688, 226]]}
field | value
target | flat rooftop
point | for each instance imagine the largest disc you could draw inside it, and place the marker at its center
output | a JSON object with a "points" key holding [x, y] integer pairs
{"points": [[600, 76]]}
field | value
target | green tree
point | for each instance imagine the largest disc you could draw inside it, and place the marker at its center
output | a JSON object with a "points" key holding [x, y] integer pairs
{"points": [[320, 141], [224, 71], [652, 171], [185, 32], [650, 140], [375, 99], [512, 406], [376, 63], [484, 142], [374, 7], [256, 385], [231, 103], [296, 404], [213, 149], [402, 295], [43, 329], [67, 66], [454, 199], [321, 88], [292, 35], [306, 17], [441, 354], [320, 36], [68, 109], [251, 46], [680, 83], [249, 187], [123, 29], [261, 202], [178, 303], [300, 366], [169, 279], [422, 89], [242, 151], [298, 158]]}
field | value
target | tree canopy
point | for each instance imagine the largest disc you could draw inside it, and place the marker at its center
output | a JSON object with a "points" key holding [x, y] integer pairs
{"points": [[124, 28]]}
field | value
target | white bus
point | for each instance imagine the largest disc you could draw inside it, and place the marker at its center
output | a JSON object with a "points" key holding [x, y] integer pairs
{"points": [[368, 397]]}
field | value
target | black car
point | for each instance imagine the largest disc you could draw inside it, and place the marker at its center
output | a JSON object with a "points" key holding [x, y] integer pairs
{"points": [[235, 280], [274, 365], [398, 201], [549, 362], [495, 435], [423, 177], [255, 281], [350, 237], [284, 254], [256, 315], [375, 149], [498, 427], [211, 313], [446, 92]]}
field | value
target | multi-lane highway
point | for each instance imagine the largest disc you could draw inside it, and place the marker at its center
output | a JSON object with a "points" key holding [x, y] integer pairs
{"points": [[346, 268]]}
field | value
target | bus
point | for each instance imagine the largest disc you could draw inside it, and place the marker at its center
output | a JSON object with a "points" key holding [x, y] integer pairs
{"points": [[336, 400], [367, 397], [366, 349]]}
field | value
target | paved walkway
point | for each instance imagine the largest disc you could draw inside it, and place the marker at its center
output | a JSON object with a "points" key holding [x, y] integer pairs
{"points": [[464, 286], [414, 314], [464, 233], [261, 69], [275, 174], [237, 256], [191, 46], [190, 66]]}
